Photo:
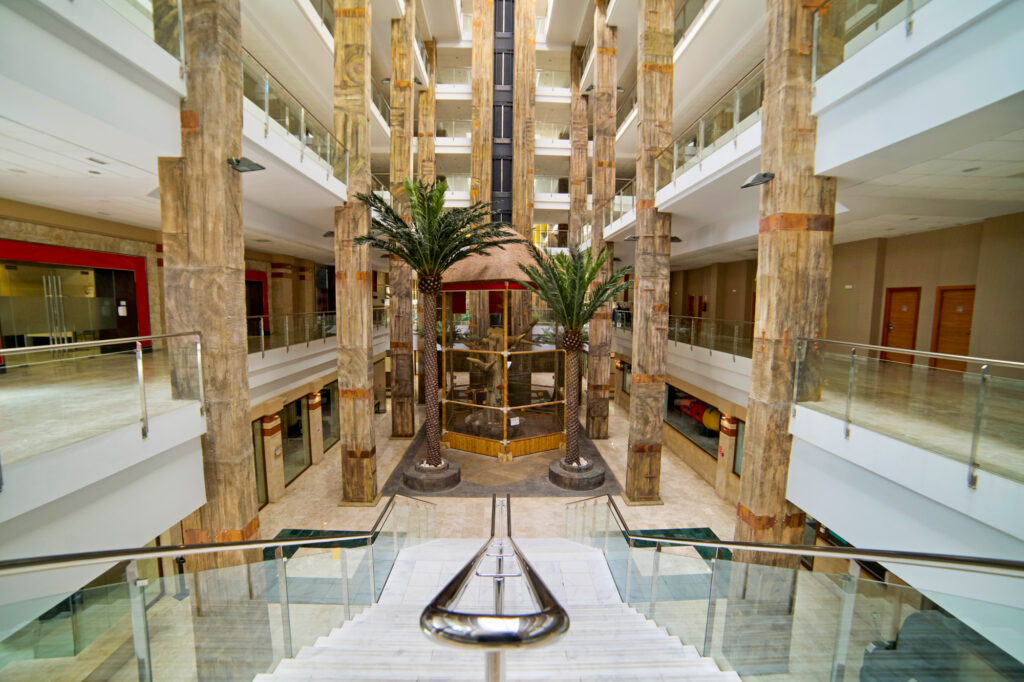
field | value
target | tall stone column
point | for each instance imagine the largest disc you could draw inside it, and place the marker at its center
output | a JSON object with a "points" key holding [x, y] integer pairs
{"points": [[650, 310], [352, 25], [524, 97], [482, 74], [204, 271], [578, 151], [794, 268], [316, 427], [282, 296], [403, 393], [603, 105], [426, 155]]}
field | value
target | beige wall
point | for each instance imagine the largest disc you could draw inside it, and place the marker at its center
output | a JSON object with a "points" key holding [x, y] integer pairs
{"points": [[676, 291], [998, 325], [929, 260], [735, 295], [857, 295]]}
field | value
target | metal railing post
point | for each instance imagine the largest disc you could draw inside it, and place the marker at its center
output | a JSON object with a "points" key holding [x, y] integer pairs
{"points": [[373, 586], [282, 592], [709, 623], [845, 624], [140, 625], [199, 376], [287, 339], [344, 581], [142, 389], [263, 346], [655, 573], [801, 349], [607, 529], [972, 462], [849, 393], [305, 324], [629, 564]]}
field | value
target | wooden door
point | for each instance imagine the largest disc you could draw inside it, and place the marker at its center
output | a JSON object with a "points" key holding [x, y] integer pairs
{"points": [[899, 328], [951, 330]]}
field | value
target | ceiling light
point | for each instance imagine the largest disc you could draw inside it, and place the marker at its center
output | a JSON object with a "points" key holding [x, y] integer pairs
{"points": [[95, 160], [590, 88], [242, 164], [632, 238], [385, 81], [17, 170], [329, 233], [620, 89], [675, 239], [971, 169], [758, 179], [262, 241], [417, 81], [95, 172]]}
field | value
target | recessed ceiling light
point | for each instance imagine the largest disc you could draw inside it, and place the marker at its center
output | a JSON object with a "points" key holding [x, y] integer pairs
{"points": [[262, 241], [329, 233], [17, 170], [95, 160], [971, 169], [102, 213], [95, 172]]}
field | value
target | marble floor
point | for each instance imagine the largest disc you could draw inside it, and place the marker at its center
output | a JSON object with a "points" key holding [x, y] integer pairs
{"points": [[58, 401]]}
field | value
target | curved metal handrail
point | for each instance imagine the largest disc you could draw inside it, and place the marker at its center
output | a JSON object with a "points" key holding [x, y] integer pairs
{"points": [[57, 561], [23, 350], [919, 353], [494, 631], [991, 566]]}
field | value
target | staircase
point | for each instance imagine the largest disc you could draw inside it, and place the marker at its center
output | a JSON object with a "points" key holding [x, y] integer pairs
{"points": [[607, 640]]}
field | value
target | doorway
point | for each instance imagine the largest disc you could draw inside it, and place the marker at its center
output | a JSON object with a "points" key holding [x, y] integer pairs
{"points": [[951, 329], [899, 328]]}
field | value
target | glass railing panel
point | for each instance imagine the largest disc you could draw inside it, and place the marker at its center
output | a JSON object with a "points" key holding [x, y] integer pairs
{"points": [[686, 12], [55, 398], [842, 28], [458, 183], [381, 102], [454, 75], [1001, 427], [161, 21], [552, 79], [626, 104], [325, 10], [453, 128], [543, 184], [545, 130], [680, 593], [284, 113]]}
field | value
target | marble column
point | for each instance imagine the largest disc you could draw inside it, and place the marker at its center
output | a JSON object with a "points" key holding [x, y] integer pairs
{"points": [[650, 309], [579, 151], [352, 31], [481, 133]]}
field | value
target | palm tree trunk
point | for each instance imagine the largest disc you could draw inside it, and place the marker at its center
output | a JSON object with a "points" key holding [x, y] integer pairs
{"points": [[572, 407], [428, 353]]}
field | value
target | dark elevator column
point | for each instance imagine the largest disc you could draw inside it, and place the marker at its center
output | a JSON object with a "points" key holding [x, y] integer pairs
{"points": [[501, 149]]}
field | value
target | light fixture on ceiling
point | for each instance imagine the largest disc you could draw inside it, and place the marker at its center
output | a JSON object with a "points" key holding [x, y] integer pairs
{"points": [[620, 89], [417, 81], [590, 88], [385, 81], [95, 172], [675, 239], [971, 169], [95, 160], [261, 241], [18, 171], [329, 234], [632, 238], [244, 165], [758, 179]]}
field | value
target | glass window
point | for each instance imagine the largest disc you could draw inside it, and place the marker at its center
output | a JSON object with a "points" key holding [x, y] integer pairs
{"points": [[693, 418], [295, 439], [737, 462], [329, 414], [260, 462]]}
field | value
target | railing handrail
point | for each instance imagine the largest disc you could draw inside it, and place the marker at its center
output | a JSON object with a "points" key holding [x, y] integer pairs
{"points": [[494, 631], [92, 344], [925, 354], [309, 114], [702, 319], [266, 315], [732, 88], [1004, 567], [58, 561]]}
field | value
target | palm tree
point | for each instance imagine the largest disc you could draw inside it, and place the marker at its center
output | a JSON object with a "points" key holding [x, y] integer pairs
{"points": [[437, 239], [563, 281]]}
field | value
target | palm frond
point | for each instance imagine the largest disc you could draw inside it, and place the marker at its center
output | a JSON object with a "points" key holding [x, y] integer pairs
{"points": [[435, 238], [564, 280]]}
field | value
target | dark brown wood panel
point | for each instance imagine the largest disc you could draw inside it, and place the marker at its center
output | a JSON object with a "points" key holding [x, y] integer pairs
{"points": [[899, 327], [951, 329]]}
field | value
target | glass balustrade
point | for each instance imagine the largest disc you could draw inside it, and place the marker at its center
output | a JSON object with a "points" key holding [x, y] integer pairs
{"points": [[552, 79], [269, 332], [546, 184], [771, 622], [58, 395], [380, 101], [969, 410], [209, 623], [458, 183], [735, 112], [687, 12], [466, 19], [454, 75], [627, 102], [545, 130], [550, 236], [449, 127], [325, 10], [283, 113], [842, 28], [725, 336], [161, 21]]}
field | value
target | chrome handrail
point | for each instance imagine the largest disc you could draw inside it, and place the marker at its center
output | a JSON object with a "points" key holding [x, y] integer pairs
{"points": [[58, 561], [922, 353], [491, 630], [992, 566], [94, 344]]}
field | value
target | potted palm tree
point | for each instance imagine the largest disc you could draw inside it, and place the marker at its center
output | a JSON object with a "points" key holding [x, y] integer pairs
{"points": [[436, 239], [568, 283]]}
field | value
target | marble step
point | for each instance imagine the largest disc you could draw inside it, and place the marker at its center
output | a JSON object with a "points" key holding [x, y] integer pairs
{"points": [[603, 657], [443, 676]]}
